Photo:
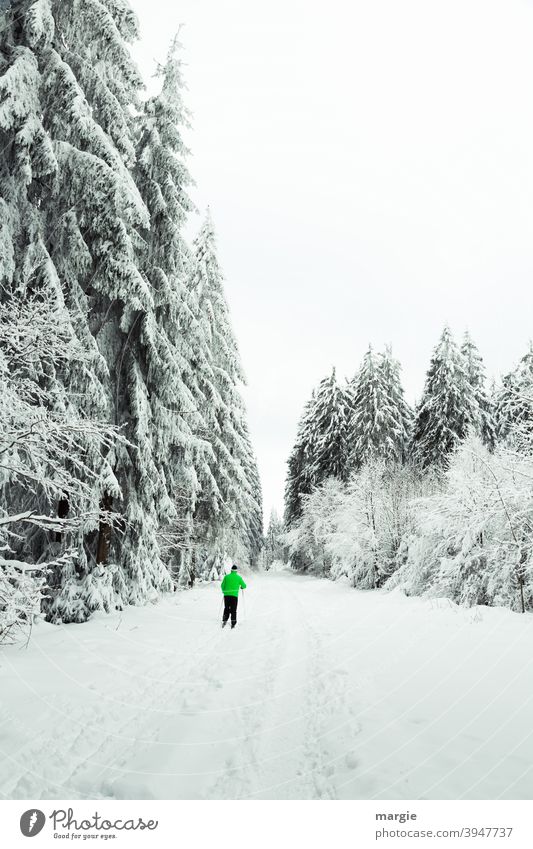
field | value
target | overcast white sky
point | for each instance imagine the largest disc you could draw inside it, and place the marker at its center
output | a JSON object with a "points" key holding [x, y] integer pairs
{"points": [[369, 165]]}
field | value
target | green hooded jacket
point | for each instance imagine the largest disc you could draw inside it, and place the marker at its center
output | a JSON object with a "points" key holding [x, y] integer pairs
{"points": [[231, 584]]}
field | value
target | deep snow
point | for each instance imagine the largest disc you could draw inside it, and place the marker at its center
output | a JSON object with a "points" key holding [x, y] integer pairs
{"points": [[320, 692]]}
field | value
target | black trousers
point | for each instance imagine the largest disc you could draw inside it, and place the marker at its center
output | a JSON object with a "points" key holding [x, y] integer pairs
{"points": [[230, 607]]}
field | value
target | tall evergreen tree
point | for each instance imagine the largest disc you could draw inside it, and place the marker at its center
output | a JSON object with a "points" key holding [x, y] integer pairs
{"points": [[85, 91], [402, 418], [514, 399], [321, 447], [380, 418], [482, 416], [166, 332], [51, 138], [300, 480], [273, 539], [330, 437], [93, 201], [225, 502], [92, 94], [447, 407], [253, 525]]}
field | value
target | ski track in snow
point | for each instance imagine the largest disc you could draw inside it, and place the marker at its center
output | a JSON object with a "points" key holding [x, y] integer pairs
{"points": [[321, 692]]}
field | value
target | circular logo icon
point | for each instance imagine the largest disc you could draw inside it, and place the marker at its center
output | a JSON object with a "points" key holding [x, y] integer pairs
{"points": [[32, 822]]}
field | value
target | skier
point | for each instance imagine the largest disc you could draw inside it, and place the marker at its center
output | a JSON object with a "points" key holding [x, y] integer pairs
{"points": [[230, 586]]}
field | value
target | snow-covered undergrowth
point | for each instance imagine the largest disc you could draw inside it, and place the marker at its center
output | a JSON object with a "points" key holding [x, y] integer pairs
{"points": [[50, 455], [466, 535], [320, 692]]}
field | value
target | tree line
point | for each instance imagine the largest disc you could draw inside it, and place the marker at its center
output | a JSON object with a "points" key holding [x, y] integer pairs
{"points": [[434, 499], [126, 465]]}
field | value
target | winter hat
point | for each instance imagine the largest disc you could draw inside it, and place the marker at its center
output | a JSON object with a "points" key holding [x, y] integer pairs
{"points": [[234, 568]]}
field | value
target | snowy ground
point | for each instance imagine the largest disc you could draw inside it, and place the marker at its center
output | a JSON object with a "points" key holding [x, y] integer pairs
{"points": [[320, 692]]}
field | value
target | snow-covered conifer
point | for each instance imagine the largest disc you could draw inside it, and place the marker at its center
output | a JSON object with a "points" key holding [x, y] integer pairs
{"points": [[167, 332], [254, 511], [514, 402], [482, 421], [29, 177], [91, 107], [447, 407], [380, 418], [299, 480], [90, 213], [319, 453], [274, 540], [330, 435], [225, 502], [93, 202]]}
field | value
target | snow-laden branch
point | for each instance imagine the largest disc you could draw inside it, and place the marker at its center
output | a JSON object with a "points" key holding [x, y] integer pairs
{"points": [[49, 454]]}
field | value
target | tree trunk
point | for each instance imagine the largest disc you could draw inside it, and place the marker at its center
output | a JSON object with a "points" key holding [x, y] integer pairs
{"points": [[63, 508], [520, 572], [104, 531]]}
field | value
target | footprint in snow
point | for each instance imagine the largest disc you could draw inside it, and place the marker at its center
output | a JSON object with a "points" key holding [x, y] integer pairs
{"points": [[350, 760]]}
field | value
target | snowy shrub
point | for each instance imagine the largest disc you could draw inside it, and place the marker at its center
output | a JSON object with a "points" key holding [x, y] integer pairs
{"points": [[473, 541], [278, 566], [360, 536], [357, 529], [374, 518], [465, 534], [21, 595], [307, 538]]}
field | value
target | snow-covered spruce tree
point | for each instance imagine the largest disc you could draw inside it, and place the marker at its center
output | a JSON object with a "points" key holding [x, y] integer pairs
{"points": [[380, 418], [274, 549], [330, 431], [254, 513], [447, 408], [170, 333], [74, 219], [320, 450], [300, 480], [90, 218], [228, 497], [121, 299], [29, 175], [368, 432], [514, 403], [402, 418], [27, 160], [482, 414]]}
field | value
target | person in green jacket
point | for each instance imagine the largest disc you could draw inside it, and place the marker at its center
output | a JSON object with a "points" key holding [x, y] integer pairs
{"points": [[231, 584]]}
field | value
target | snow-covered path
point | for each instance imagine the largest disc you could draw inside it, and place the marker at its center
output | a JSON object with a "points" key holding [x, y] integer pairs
{"points": [[320, 692]]}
